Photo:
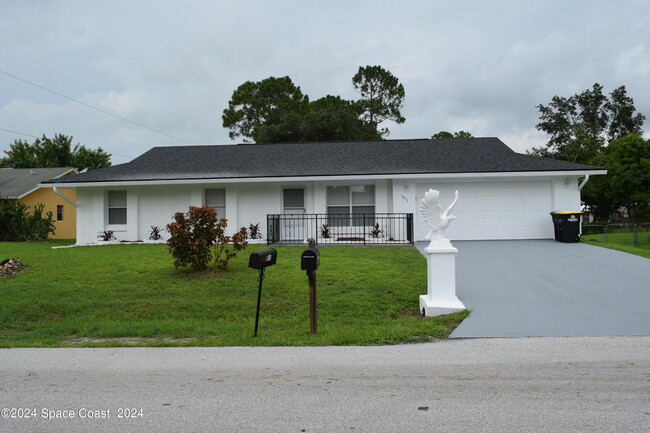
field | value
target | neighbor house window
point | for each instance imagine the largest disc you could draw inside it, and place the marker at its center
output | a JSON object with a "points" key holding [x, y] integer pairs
{"points": [[59, 212], [216, 199], [116, 207], [347, 205]]}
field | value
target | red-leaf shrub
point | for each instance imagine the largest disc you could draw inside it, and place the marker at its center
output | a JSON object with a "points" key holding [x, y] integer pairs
{"points": [[192, 236], [228, 246], [196, 233]]}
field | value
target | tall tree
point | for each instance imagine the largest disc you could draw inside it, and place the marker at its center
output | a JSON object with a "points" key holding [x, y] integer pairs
{"points": [[286, 127], [457, 134], [622, 117], [382, 96], [257, 106], [332, 118], [580, 124], [592, 128], [627, 184], [54, 152]]}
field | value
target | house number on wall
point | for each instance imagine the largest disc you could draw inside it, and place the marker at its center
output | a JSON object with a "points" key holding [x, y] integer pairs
{"points": [[404, 197]]}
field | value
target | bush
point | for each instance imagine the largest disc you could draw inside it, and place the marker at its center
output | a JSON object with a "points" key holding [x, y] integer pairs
{"points": [[375, 231], [325, 231], [227, 247], [40, 226], [194, 235], [16, 223], [254, 231], [106, 235], [155, 235]]}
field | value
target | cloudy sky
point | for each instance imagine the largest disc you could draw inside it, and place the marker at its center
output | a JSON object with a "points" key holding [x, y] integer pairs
{"points": [[479, 66]]}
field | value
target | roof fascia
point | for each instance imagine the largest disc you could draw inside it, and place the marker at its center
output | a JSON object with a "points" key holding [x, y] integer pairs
{"points": [[72, 170], [520, 174], [37, 187], [25, 194]]}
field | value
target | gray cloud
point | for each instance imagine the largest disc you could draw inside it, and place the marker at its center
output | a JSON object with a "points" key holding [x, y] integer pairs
{"points": [[476, 66]]}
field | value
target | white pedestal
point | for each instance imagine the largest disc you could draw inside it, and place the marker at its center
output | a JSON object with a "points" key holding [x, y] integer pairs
{"points": [[441, 282]]}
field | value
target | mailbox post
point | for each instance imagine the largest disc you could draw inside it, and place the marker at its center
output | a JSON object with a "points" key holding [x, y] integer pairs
{"points": [[309, 261], [261, 260]]}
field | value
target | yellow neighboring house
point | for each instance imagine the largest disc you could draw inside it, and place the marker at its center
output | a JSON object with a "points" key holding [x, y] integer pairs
{"points": [[22, 184]]}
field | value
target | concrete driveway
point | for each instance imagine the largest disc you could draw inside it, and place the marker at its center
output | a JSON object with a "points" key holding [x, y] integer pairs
{"points": [[547, 288]]}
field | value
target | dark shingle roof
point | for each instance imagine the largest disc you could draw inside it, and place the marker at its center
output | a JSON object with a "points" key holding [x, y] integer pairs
{"points": [[386, 157], [14, 182]]}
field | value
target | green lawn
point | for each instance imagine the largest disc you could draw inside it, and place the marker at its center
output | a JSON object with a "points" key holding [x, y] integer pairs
{"points": [[122, 295], [621, 241]]}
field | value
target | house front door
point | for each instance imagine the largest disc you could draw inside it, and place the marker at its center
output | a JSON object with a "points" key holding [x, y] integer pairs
{"points": [[294, 222]]}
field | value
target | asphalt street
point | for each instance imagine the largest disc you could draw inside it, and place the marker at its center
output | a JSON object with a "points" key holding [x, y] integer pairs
{"points": [[593, 384]]}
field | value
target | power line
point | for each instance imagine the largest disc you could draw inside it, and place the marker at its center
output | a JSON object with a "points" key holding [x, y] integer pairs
{"points": [[16, 132], [94, 108], [30, 135]]}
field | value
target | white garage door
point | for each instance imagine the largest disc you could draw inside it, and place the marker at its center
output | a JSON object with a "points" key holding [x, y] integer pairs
{"points": [[493, 210]]}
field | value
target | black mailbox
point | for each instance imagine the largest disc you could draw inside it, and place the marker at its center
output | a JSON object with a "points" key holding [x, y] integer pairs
{"points": [[310, 259], [263, 259]]}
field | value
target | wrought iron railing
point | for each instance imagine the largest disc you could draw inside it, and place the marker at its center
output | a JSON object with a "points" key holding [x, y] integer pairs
{"points": [[358, 228]]}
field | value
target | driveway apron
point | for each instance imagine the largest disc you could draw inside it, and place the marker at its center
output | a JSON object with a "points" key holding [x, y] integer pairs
{"points": [[543, 288]]}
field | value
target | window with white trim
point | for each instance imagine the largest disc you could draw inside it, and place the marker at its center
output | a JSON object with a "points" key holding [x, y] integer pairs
{"points": [[216, 199], [293, 200], [355, 200], [116, 207]]}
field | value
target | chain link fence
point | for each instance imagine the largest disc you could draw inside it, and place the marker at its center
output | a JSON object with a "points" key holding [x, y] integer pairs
{"points": [[624, 234]]}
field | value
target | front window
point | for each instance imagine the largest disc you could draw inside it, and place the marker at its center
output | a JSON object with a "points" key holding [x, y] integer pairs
{"points": [[116, 207], [216, 199], [59, 212], [294, 200], [351, 205]]}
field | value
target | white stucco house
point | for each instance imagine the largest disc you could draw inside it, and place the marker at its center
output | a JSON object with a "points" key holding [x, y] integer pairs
{"points": [[503, 194]]}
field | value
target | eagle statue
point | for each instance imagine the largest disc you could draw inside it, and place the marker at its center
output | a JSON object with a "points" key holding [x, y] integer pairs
{"points": [[436, 220]]}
